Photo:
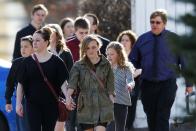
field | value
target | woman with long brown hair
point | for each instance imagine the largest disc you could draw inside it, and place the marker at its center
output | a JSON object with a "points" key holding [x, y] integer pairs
{"points": [[59, 48], [94, 77]]}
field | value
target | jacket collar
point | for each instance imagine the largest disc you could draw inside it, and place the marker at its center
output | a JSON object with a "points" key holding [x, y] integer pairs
{"points": [[103, 60]]}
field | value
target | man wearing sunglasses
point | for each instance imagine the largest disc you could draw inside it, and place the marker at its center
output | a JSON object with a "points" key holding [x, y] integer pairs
{"points": [[152, 54]]}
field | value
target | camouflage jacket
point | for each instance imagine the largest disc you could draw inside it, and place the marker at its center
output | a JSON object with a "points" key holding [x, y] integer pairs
{"points": [[93, 101]]}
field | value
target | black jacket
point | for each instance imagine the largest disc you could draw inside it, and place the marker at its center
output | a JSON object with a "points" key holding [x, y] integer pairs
{"points": [[11, 81], [105, 42]]}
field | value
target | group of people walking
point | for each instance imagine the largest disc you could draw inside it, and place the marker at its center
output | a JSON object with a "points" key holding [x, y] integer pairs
{"points": [[99, 79]]}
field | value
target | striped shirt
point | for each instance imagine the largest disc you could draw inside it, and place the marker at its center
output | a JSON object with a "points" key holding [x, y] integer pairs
{"points": [[122, 77]]}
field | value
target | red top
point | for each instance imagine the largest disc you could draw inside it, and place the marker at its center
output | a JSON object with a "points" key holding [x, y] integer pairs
{"points": [[73, 45]]}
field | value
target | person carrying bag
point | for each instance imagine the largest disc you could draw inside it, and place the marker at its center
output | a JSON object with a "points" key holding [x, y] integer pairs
{"points": [[63, 112]]}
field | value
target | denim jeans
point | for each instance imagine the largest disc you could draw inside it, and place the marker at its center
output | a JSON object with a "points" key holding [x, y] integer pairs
{"points": [[22, 122]]}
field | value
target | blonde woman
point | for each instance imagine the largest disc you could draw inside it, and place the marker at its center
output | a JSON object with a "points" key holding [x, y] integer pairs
{"points": [[58, 47]]}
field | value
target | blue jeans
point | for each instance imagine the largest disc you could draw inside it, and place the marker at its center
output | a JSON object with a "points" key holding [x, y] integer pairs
{"points": [[22, 122]]}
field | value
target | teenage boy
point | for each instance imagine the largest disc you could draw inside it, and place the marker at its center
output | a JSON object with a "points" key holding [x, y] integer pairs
{"points": [[94, 23], [26, 49], [38, 16], [82, 28]]}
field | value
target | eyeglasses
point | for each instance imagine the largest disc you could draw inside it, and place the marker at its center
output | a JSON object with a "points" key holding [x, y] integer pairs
{"points": [[155, 22]]}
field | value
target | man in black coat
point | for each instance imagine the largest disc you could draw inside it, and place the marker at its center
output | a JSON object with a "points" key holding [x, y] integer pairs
{"points": [[94, 23], [38, 15]]}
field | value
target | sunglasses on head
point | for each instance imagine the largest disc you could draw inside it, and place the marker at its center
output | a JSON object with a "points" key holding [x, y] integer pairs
{"points": [[155, 22]]}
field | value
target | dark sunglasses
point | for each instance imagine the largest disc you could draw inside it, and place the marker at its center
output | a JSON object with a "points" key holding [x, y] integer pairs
{"points": [[155, 22]]}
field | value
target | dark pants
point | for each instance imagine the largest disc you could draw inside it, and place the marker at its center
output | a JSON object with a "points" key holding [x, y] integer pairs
{"points": [[3, 122], [71, 123], [157, 99], [42, 117], [120, 116], [132, 109]]}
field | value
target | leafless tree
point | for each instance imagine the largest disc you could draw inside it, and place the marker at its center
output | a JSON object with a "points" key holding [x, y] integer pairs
{"points": [[114, 15]]}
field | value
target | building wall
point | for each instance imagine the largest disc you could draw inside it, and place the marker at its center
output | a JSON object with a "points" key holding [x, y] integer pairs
{"points": [[141, 10]]}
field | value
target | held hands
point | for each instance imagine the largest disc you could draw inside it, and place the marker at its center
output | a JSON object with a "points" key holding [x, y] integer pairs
{"points": [[19, 109], [8, 108], [70, 105]]}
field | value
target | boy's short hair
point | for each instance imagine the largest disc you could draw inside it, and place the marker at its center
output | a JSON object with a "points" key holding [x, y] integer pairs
{"points": [[39, 7], [28, 38], [81, 22]]}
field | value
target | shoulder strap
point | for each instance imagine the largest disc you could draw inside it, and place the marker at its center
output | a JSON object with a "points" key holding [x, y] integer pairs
{"points": [[45, 78], [98, 79]]}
